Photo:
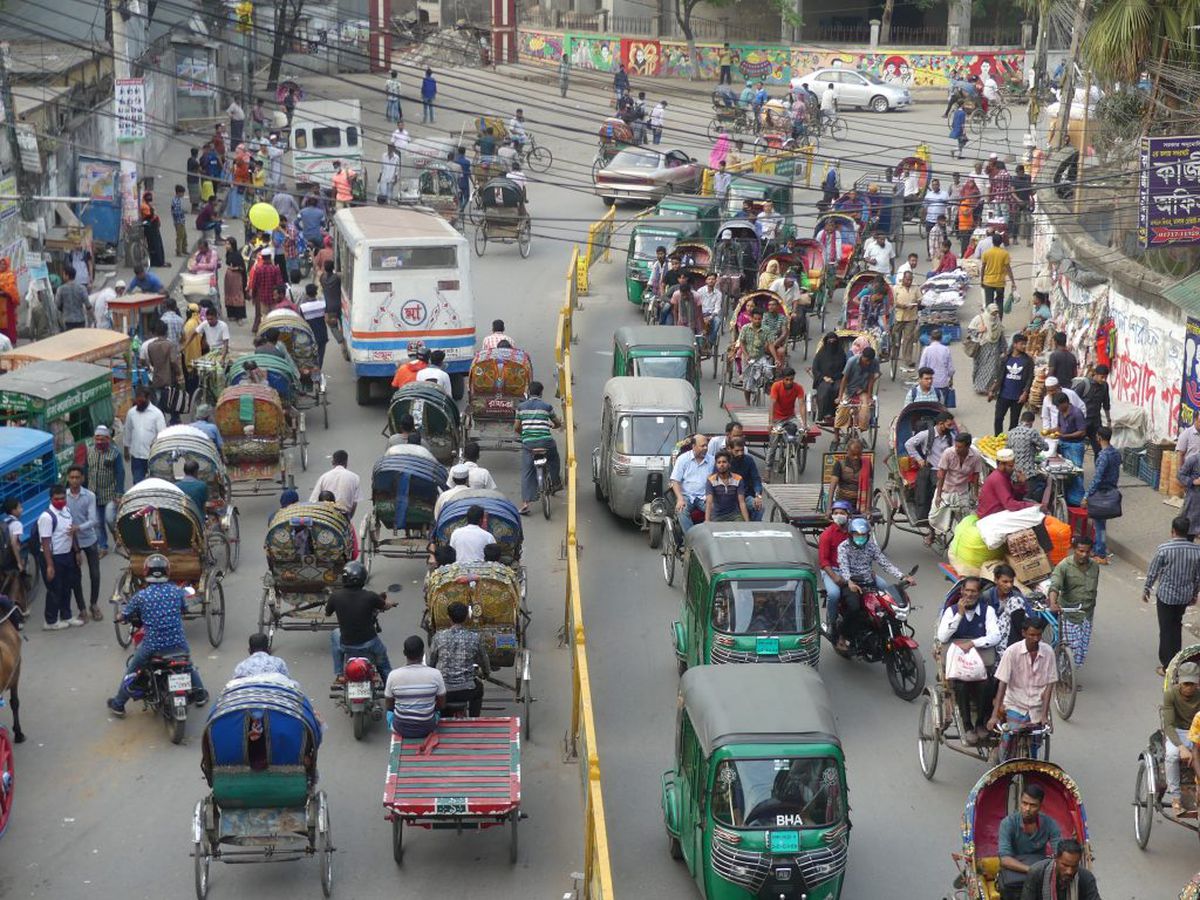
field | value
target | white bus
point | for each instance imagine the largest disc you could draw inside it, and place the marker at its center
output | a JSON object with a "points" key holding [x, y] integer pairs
{"points": [[324, 131], [405, 277]]}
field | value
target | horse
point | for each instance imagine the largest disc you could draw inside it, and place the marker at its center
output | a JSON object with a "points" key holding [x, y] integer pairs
{"points": [[10, 670]]}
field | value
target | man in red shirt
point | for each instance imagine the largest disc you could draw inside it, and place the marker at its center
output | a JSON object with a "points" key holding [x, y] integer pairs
{"points": [[1001, 491], [827, 553], [418, 359], [787, 404]]}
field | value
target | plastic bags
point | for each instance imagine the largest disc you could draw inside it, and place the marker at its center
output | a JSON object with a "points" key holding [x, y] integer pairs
{"points": [[968, 545], [964, 665]]}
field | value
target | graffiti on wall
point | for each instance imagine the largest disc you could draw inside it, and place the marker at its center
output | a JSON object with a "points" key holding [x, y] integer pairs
{"points": [[599, 54], [540, 46], [642, 57], [1149, 363]]}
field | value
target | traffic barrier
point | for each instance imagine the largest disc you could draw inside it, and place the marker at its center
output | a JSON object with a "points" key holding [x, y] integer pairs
{"points": [[581, 741]]}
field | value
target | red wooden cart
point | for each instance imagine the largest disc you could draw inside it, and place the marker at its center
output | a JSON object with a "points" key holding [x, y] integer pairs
{"points": [[469, 779]]}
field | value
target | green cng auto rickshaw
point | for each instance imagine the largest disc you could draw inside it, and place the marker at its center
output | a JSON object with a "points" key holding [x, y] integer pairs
{"points": [[756, 804], [705, 210], [644, 238], [662, 351], [641, 422], [757, 188], [751, 596], [67, 399]]}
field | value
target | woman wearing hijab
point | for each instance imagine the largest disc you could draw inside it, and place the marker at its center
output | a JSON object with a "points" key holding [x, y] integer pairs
{"points": [[769, 276], [720, 152], [987, 330], [151, 229], [827, 368], [235, 282]]}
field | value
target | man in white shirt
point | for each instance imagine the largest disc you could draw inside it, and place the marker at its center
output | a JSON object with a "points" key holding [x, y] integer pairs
{"points": [[143, 422], [214, 331], [879, 254], [991, 90], [469, 540], [516, 130], [828, 102], [434, 373], [459, 482], [341, 482], [657, 117], [768, 223], [100, 301], [477, 475], [935, 202], [909, 265], [399, 138], [517, 177], [56, 533], [1050, 403], [970, 626], [710, 299], [389, 168]]}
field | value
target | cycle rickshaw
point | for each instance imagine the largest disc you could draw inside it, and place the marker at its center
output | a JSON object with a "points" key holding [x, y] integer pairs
{"points": [[997, 794], [434, 413], [283, 377], [253, 424], [493, 595], [914, 165], [734, 119], [867, 308], [437, 189], [504, 218], [806, 506], [537, 157], [498, 382], [755, 377], [848, 340], [615, 135], [173, 448], [847, 228], [307, 546], [899, 494], [297, 338], [735, 257], [775, 129], [155, 516], [405, 483], [503, 521], [260, 761]]}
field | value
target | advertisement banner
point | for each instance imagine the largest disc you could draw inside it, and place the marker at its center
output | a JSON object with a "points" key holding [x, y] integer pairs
{"points": [[1169, 194], [99, 179], [1189, 392], [131, 109]]}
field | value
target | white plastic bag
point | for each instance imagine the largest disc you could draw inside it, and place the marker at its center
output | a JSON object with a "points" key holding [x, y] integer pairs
{"points": [[964, 665]]}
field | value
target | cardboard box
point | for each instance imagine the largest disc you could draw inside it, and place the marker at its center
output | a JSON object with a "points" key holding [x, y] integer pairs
{"points": [[1023, 543], [1032, 568]]}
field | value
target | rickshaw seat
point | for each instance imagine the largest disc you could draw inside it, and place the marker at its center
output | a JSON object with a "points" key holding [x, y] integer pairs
{"points": [[989, 868]]}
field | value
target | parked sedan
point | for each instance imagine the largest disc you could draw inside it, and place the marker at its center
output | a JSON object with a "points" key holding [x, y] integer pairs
{"points": [[858, 89], [648, 175]]}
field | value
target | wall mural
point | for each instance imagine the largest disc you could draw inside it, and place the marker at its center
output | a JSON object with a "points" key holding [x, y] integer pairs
{"points": [[648, 58], [1149, 363]]}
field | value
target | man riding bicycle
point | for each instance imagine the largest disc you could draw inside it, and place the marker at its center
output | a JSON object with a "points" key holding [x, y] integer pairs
{"points": [[856, 390], [754, 342], [535, 418], [787, 405], [516, 131]]}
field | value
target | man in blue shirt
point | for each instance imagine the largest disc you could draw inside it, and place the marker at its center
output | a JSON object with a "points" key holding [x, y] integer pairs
{"points": [[1025, 836], [689, 481], [144, 282], [312, 222], [1016, 376], [160, 606], [203, 422], [742, 463], [464, 179]]}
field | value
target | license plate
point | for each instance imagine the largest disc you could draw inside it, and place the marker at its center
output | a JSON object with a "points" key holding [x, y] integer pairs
{"points": [[656, 462], [181, 681], [358, 690], [785, 842], [498, 403], [450, 806], [767, 646]]}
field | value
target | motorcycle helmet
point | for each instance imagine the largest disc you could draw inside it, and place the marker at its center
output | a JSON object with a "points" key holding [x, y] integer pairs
{"points": [[354, 575], [860, 532], [414, 349], [156, 569]]}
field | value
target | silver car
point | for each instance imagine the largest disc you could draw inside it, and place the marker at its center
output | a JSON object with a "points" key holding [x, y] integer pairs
{"points": [[860, 89], [639, 173]]}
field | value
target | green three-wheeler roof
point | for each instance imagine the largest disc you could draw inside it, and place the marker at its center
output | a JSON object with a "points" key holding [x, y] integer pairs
{"points": [[641, 392], [51, 379], [663, 337], [722, 546]]}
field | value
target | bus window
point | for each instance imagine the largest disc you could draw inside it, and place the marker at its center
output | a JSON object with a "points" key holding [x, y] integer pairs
{"points": [[300, 139], [388, 258], [327, 137], [351, 136]]}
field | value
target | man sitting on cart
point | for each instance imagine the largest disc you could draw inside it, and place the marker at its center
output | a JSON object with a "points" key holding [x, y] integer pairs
{"points": [[1026, 837], [970, 626], [414, 693], [357, 611], [159, 606], [456, 652]]}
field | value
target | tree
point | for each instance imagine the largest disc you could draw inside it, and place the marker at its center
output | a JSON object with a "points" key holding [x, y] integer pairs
{"points": [[1125, 35], [287, 19], [685, 8], [885, 20]]}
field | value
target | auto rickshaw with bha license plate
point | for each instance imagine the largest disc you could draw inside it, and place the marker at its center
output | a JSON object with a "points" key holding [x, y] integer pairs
{"points": [[434, 414], [756, 803], [66, 399], [492, 595], [996, 795], [658, 351], [750, 596], [405, 483], [499, 381], [645, 237], [642, 421]]}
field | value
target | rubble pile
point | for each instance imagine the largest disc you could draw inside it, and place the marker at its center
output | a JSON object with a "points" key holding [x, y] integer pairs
{"points": [[457, 46]]}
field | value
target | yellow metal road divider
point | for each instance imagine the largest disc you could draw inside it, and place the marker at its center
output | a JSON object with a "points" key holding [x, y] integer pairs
{"points": [[581, 740]]}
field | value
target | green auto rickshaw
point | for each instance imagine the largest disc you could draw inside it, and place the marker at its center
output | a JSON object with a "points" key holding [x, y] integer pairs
{"points": [[756, 804], [644, 238], [758, 188], [67, 399], [662, 351], [705, 210], [750, 596]]}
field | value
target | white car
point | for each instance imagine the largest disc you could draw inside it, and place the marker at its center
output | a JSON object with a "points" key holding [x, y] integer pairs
{"points": [[855, 88]]}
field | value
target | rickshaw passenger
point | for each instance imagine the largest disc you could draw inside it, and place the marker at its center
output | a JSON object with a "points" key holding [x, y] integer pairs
{"points": [[710, 301], [971, 627], [329, 497], [196, 489], [1012, 607], [470, 540], [725, 493], [689, 479], [796, 291], [742, 463], [357, 612], [455, 652], [1026, 837], [776, 322], [459, 484], [1180, 704], [535, 418]]}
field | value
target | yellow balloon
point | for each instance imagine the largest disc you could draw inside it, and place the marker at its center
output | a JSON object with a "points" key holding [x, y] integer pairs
{"points": [[264, 217]]}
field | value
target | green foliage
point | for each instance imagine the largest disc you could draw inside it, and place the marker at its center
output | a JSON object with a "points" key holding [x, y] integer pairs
{"points": [[1125, 34]]}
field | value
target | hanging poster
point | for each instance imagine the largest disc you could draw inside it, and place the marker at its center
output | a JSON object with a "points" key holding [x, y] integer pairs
{"points": [[1189, 392], [1169, 195], [131, 109]]}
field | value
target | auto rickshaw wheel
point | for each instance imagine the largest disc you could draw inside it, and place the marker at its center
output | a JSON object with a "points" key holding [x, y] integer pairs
{"points": [[1143, 803], [214, 612], [398, 841], [674, 848], [481, 239], [123, 592]]}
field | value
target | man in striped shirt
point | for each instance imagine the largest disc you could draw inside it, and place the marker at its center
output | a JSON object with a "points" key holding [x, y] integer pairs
{"points": [[1176, 569], [535, 418], [414, 693]]}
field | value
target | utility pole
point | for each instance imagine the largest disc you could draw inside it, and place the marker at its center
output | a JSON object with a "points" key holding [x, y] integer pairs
{"points": [[24, 189], [130, 246], [1068, 86]]}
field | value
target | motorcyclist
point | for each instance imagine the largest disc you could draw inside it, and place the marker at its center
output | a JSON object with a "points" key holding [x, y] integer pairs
{"points": [[834, 535], [357, 614], [159, 606], [857, 558], [418, 359]]}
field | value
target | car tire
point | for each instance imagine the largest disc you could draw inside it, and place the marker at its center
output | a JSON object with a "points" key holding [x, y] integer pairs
{"points": [[879, 104]]}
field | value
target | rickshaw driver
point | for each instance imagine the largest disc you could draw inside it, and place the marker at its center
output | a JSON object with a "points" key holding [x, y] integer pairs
{"points": [[357, 612], [160, 605], [857, 558], [1180, 705], [785, 395], [456, 652], [856, 390], [1027, 674], [203, 423], [689, 481], [196, 489]]}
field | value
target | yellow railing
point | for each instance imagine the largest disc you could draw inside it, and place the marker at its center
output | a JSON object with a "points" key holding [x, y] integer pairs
{"points": [[599, 246], [769, 164], [581, 741]]}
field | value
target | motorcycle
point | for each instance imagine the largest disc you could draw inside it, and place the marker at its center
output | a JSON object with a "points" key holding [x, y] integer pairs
{"points": [[880, 633], [164, 684], [360, 691]]}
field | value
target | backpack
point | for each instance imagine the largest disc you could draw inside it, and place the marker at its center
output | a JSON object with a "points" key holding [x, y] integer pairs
{"points": [[358, 188], [7, 560]]}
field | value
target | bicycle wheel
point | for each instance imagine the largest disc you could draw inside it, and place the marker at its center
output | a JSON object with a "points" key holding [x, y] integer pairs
{"points": [[1003, 119], [839, 129], [539, 159], [1065, 690], [895, 362], [791, 465], [977, 122]]}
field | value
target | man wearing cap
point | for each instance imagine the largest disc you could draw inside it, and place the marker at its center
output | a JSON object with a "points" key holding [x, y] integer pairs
{"points": [[203, 422], [106, 479], [1003, 491], [1050, 403], [100, 301], [418, 359], [460, 477], [1180, 704]]}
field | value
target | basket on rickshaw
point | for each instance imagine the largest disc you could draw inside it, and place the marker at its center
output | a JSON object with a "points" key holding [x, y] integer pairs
{"points": [[307, 546], [493, 596], [735, 256], [283, 376], [503, 521], [846, 227], [259, 757], [498, 382], [434, 413], [615, 135], [899, 495], [253, 425], [504, 218], [997, 795], [155, 516], [405, 483], [172, 449], [298, 339], [924, 172]]}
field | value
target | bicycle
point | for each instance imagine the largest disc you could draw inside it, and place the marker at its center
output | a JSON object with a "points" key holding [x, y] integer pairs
{"points": [[1066, 690], [997, 115], [791, 458], [852, 430], [545, 486], [834, 126], [534, 157], [757, 377]]}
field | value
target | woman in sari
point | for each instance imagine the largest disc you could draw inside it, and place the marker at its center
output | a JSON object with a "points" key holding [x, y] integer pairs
{"points": [[720, 152], [987, 330], [235, 282], [828, 365]]}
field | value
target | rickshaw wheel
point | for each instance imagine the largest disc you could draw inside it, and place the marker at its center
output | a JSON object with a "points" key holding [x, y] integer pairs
{"points": [[513, 846], [791, 465], [526, 719], [200, 853], [324, 397], [668, 559], [838, 128], [1064, 689], [1143, 804], [977, 121], [714, 129], [266, 619], [539, 159], [398, 841], [880, 500], [802, 453], [7, 779], [481, 239], [927, 738], [234, 539], [325, 835], [214, 613], [123, 630], [721, 393], [524, 238], [655, 534], [366, 542]]}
